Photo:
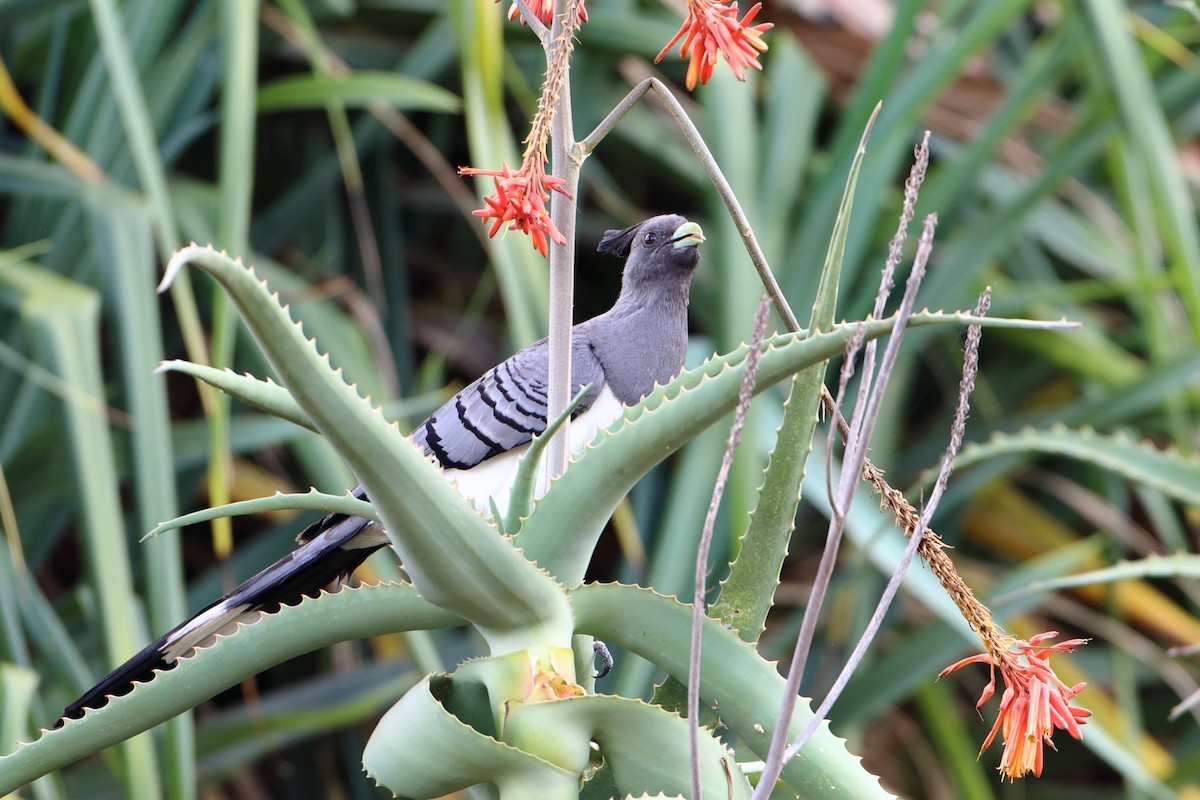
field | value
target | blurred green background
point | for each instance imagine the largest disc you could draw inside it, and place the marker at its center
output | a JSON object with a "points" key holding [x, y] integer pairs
{"points": [[319, 140]]}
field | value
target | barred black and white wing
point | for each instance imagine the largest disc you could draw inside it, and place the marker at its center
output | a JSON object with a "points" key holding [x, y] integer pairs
{"points": [[505, 408]]}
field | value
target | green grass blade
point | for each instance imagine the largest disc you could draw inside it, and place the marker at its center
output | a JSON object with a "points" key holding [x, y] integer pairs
{"points": [[135, 114], [358, 89], [235, 165], [64, 319], [952, 740], [523, 274], [1145, 121], [126, 249], [17, 688]]}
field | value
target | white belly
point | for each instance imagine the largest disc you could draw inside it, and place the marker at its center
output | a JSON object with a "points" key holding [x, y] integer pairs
{"points": [[491, 480]]}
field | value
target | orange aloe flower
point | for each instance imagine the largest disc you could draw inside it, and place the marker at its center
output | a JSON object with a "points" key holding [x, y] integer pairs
{"points": [[543, 10], [520, 200], [1035, 702], [712, 27]]}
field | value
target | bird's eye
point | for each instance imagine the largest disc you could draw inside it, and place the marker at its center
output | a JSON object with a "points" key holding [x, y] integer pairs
{"points": [[650, 238]]}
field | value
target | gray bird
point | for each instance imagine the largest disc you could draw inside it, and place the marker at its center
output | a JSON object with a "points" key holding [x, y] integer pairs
{"points": [[479, 434]]}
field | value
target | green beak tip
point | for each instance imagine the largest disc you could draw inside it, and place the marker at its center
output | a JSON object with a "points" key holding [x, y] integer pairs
{"points": [[688, 234]]}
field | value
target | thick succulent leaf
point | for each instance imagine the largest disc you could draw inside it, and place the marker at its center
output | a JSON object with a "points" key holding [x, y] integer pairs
{"points": [[273, 638], [265, 395], [646, 747], [421, 750], [454, 557], [311, 500], [562, 532], [520, 497], [277, 401], [1168, 471], [745, 689], [749, 590]]}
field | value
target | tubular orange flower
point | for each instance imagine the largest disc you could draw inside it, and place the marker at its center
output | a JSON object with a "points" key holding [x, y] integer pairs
{"points": [[712, 27], [1035, 702], [520, 197], [520, 200], [543, 10]]}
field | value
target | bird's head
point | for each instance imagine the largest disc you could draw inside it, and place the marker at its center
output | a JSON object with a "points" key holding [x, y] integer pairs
{"points": [[660, 250]]}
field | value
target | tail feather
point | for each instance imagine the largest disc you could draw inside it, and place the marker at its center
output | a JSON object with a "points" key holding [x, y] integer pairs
{"points": [[329, 552]]}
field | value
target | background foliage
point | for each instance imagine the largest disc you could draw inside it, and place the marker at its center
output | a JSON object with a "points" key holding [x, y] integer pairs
{"points": [[1064, 171]]}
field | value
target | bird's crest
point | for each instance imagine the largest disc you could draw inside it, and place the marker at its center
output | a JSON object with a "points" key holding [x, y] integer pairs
{"points": [[618, 243]]}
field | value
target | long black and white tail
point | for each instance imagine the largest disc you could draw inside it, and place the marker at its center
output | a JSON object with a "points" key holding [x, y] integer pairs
{"points": [[330, 550]]}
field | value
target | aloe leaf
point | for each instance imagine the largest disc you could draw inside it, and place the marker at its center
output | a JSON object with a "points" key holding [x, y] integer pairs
{"points": [[1167, 471], [520, 497], [626, 731], [454, 557], [265, 395], [747, 593], [312, 500], [356, 89], [270, 640], [744, 688], [408, 753], [563, 529], [1177, 565]]}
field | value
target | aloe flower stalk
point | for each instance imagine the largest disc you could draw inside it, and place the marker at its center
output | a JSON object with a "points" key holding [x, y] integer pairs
{"points": [[543, 10], [521, 195]]}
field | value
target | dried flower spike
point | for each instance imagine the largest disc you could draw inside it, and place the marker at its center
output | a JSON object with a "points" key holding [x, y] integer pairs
{"points": [[543, 10], [712, 27], [1035, 702]]}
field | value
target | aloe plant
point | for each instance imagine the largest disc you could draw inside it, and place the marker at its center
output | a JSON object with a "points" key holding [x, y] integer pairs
{"points": [[524, 714], [1009, 229]]}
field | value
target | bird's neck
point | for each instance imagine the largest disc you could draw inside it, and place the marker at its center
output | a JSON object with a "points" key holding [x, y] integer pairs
{"points": [[641, 340], [663, 298]]}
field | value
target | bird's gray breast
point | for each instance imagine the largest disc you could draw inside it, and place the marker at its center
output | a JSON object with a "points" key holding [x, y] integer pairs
{"points": [[638, 349]]}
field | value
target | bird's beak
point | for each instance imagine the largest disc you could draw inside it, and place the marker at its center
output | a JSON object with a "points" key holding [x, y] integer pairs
{"points": [[687, 235]]}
